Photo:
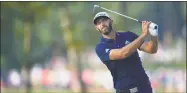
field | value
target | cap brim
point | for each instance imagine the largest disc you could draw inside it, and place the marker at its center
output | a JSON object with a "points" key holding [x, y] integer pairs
{"points": [[98, 18]]}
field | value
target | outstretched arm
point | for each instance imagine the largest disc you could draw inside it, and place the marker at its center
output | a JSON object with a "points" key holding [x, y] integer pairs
{"points": [[129, 49]]}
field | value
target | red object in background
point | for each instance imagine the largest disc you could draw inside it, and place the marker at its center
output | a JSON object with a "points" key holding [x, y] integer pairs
{"points": [[153, 84], [2, 84], [45, 79], [87, 76]]}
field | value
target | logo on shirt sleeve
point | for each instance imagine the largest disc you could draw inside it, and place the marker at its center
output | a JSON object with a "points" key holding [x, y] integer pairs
{"points": [[106, 50], [127, 42]]}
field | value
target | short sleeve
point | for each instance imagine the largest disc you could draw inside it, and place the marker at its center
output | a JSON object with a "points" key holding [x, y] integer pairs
{"points": [[133, 35], [103, 52]]}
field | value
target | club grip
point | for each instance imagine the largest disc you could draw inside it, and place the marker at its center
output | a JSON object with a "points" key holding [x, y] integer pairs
{"points": [[139, 21], [152, 25]]}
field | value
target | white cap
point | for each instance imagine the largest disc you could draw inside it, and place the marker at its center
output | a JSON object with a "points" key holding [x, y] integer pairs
{"points": [[101, 14]]}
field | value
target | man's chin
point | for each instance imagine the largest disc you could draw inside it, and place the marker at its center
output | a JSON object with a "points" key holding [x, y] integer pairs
{"points": [[106, 33]]}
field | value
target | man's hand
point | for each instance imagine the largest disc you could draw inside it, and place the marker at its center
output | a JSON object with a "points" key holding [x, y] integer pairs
{"points": [[145, 28], [152, 45]]}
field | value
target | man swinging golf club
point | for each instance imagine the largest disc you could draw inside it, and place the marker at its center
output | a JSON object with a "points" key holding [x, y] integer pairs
{"points": [[118, 51]]}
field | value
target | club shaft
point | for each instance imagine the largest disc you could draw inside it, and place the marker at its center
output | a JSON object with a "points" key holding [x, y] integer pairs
{"points": [[120, 14]]}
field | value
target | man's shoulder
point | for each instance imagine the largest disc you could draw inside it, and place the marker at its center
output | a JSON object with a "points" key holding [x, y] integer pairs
{"points": [[100, 45], [127, 33]]}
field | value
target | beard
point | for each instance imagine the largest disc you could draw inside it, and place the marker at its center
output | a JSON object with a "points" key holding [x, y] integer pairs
{"points": [[106, 29]]}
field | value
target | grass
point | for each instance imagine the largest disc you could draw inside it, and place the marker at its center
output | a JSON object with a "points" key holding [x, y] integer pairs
{"points": [[16, 90]]}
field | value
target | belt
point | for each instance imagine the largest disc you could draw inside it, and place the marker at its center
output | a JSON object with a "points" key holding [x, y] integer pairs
{"points": [[132, 90]]}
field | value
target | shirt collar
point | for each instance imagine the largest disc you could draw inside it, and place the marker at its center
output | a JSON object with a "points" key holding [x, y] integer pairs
{"points": [[108, 40]]}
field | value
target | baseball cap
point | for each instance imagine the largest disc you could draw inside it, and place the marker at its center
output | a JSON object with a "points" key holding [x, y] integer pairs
{"points": [[101, 14]]}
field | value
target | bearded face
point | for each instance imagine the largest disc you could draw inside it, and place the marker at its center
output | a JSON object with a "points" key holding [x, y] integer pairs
{"points": [[104, 25]]}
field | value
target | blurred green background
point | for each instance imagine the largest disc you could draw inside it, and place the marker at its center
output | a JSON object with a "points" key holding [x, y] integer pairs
{"points": [[49, 46]]}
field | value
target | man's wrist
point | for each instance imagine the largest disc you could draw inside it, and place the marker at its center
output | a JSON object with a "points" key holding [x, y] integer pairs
{"points": [[143, 35], [154, 38]]}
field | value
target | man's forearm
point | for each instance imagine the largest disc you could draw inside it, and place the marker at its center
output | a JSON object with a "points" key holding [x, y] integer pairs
{"points": [[154, 44], [132, 47]]}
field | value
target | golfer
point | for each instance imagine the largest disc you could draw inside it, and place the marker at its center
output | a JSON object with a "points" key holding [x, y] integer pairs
{"points": [[118, 51]]}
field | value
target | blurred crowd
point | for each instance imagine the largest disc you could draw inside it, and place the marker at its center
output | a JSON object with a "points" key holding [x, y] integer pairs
{"points": [[56, 74], [168, 80], [162, 79]]}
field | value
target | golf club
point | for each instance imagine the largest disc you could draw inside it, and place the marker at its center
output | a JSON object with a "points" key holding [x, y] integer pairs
{"points": [[153, 25]]}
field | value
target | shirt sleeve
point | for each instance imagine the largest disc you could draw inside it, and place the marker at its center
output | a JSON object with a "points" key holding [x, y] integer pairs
{"points": [[134, 36], [102, 52]]}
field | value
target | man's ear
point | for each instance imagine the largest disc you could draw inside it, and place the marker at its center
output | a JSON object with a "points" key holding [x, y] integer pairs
{"points": [[111, 21]]}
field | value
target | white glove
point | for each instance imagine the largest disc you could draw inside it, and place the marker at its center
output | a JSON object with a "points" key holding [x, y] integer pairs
{"points": [[152, 30]]}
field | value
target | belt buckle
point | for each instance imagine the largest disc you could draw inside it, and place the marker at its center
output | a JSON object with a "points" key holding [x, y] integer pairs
{"points": [[133, 90]]}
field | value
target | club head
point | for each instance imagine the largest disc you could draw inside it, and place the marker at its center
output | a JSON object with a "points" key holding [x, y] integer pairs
{"points": [[95, 6]]}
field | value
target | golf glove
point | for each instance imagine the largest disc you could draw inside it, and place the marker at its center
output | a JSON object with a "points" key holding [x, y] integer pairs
{"points": [[153, 29]]}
